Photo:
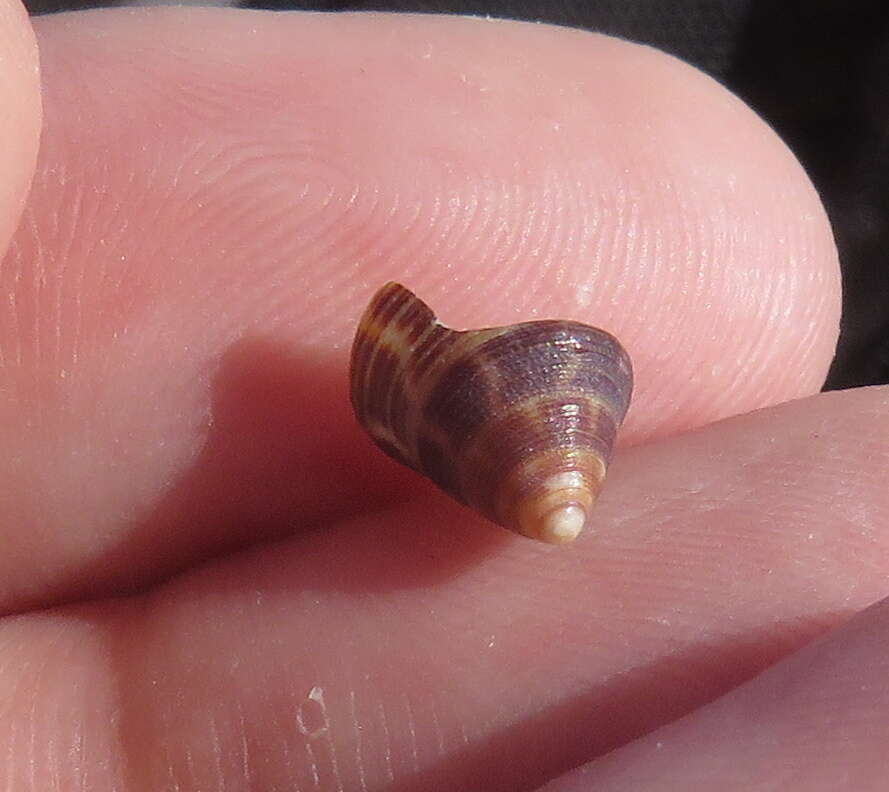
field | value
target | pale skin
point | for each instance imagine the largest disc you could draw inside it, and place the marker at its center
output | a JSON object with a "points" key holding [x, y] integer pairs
{"points": [[211, 580]]}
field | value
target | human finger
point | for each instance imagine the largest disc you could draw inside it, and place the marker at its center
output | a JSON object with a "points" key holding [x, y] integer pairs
{"points": [[413, 649], [206, 226], [20, 100]]}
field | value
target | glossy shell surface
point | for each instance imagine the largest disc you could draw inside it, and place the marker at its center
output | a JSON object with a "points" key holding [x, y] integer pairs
{"points": [[517, 422]]}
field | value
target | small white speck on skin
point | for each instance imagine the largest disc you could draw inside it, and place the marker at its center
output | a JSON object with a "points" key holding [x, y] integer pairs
{"points": [[658, 745], [491, 641], [584, 294], [464, 78]]}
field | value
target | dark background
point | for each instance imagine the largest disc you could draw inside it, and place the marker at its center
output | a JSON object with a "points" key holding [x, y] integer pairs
{"points": [[816, 70]]}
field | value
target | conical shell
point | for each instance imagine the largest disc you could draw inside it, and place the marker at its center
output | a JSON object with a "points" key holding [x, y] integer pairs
{"points": [[518, 422]]}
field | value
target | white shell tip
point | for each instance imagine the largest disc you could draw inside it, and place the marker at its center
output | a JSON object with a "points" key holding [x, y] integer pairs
{"points": [[563, 524]]}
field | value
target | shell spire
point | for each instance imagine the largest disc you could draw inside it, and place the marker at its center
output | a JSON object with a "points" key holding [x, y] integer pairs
{"points": [[517, 422]]}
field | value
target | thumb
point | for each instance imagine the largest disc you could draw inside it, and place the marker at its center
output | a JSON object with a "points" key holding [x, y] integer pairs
{"points": [[20, 112]]}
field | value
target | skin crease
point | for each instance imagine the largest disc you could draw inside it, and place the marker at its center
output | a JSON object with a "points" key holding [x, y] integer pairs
{"points": [[208, 216]]}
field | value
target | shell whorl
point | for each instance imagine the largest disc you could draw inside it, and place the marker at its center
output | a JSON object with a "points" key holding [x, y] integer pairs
{"points": [[518, 422]]}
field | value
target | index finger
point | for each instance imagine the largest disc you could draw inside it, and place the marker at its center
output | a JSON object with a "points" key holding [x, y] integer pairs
{"points": [[210, 216]]}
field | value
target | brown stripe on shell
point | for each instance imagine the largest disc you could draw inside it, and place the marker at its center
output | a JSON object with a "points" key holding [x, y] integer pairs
{"points": [[366, 349], [545, 428], [461, 401], [393, 300], [433, 348], [381, 354], [415, 321], [517, 421]]}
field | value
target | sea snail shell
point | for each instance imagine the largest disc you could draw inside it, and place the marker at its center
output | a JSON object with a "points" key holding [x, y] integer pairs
{"points": [[518, 422]]}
